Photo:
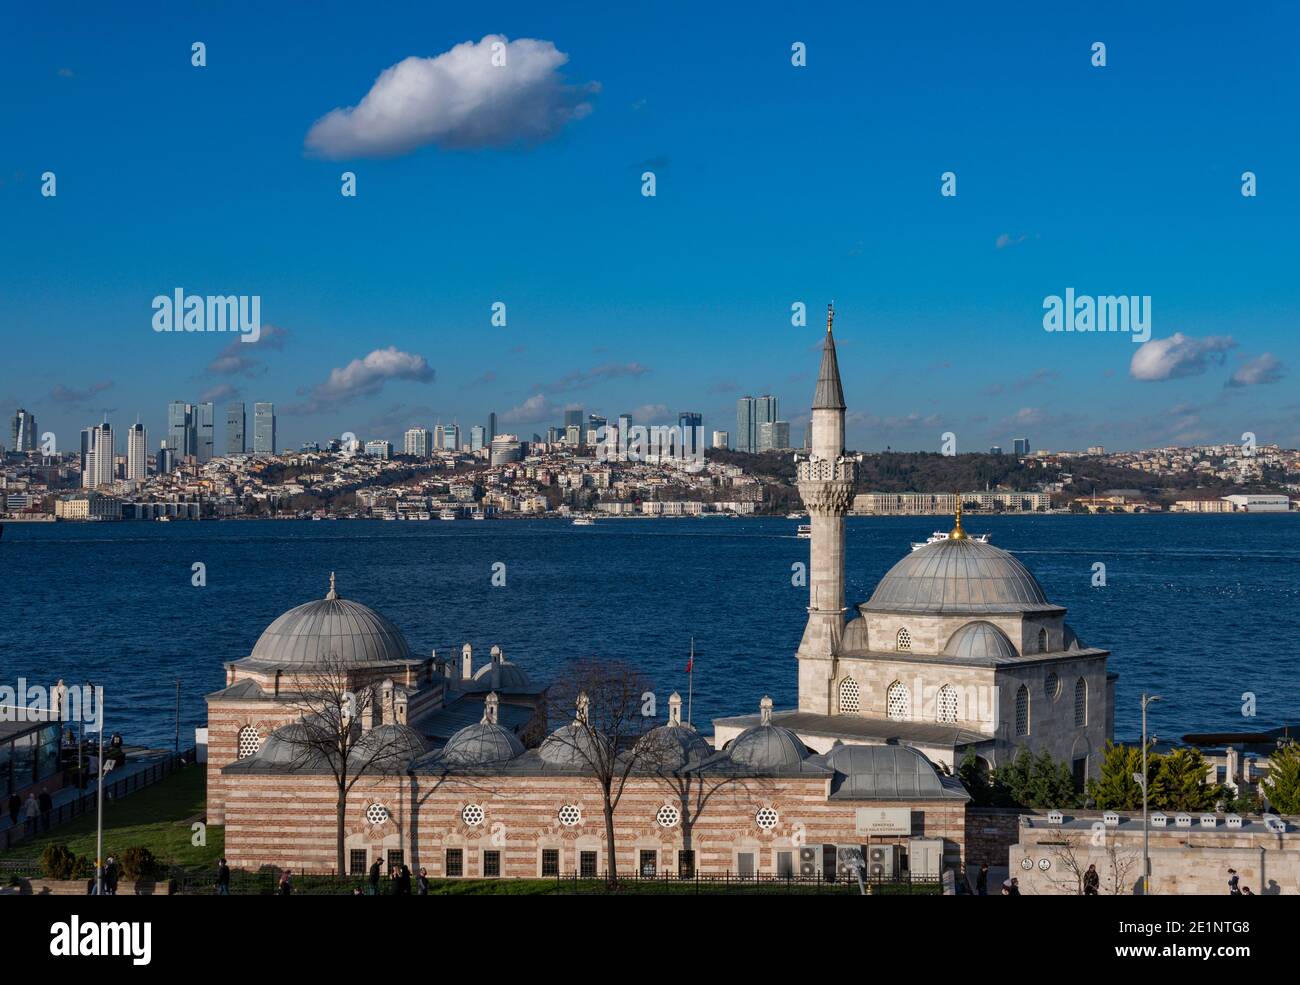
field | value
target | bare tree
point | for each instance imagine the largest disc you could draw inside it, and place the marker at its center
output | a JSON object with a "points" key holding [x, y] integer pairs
{"points": [[614, 710], [335, 733], [1121, 863], [1069, 863]]}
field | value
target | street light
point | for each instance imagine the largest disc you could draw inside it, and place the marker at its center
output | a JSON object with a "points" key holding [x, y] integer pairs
{"points": [[1141, 779]]}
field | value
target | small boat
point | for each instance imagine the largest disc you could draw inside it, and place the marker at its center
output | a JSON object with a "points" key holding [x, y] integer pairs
{"points": [[478, 515], [163, 519], [939, 535], [446, 514], [805, 531], [794, 516], [583, 521]]}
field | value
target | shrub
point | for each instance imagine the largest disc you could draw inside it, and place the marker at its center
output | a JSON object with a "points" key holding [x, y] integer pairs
{"points": [[57, 862], [139, 863]]}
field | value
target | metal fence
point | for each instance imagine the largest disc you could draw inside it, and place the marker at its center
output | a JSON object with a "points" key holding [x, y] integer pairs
{"points": [[736, 884], [84, 802]]}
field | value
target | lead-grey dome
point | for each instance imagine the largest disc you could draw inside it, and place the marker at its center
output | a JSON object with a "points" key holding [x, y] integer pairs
{"points": [[502, 676], [767, 747], [958, 576], [389, 747], [328, 632], [674, 746], [980, 640], [481, 744], [882, 772], [569, 745], [293, 745]]}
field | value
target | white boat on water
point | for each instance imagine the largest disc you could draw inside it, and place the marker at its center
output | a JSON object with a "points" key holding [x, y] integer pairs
{"points": [[446, 514], [478, 515], [939, 535], [794, 516], [805, 531], [583, 521]]}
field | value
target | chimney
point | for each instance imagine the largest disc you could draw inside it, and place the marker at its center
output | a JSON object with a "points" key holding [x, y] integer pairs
{"points": [[399, 709], [466, 662], [490, 704], [278, 672], [583, 703], [497, 656], [386, 709], [765, 711], [368, 715], [675, 709]]}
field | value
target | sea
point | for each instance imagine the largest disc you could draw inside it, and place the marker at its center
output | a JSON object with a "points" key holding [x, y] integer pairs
{"points": [[1201, 610]]}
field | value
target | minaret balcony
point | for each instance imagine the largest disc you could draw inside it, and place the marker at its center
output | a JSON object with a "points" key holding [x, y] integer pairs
{"points": [[825, 470]]}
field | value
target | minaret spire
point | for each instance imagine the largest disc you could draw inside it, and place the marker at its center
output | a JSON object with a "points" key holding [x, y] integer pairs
{"points": [[829, 394]]}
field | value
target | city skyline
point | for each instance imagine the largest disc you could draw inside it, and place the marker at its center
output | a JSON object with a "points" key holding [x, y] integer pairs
{"points": [[946, 293]]}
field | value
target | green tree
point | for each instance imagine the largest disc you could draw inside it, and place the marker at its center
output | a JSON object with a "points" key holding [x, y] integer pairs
{"points": [[975, 778], [1034, 781], [1116, 790], [1282, 785], [1181, 783]]}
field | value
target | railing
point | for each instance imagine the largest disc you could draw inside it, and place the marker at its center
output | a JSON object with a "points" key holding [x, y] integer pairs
{"points": [[733, 883], [85, 801]]}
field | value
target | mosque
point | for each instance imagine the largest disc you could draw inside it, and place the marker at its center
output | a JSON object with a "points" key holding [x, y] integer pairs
{"points": [[455, 769]]}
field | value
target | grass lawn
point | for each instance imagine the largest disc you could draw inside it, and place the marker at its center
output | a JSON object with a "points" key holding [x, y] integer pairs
{"points": [[153, 818]]}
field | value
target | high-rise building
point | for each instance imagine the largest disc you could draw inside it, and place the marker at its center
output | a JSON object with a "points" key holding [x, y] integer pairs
{"points": [[182, 437], [236, 420], [23, 431], [765, 412], [205, 420], [573, 434], [99, 458], [166, 459], [594, 423], [86, 441], [264, 429], [137, 452], [573, 418], [477, 437], [774, 436], [721, 439], [1021, 446], [624, 425], [745, 430], [418, 442], [379, 449], [451, 437], [995, 450], [491, 427], [439, 436]]}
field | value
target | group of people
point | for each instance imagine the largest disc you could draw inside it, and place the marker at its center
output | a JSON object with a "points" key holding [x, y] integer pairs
{"points": [[35, 811], [399, 876], [1235, 888], [110, 876]]}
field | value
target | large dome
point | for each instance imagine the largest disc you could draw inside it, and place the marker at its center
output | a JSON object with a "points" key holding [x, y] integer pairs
{"points": [[330, 631], [980, 640], [767, 747], [958, 576], [481, 744]]}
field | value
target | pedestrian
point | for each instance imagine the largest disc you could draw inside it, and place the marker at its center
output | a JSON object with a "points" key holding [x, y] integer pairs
{"points": [[403, 880], [1245, 891], [286, 884], [1091, 882], [15, 807], [1014, 889], [374, 878], [1233, 881], [223, 878], [31, 811], [110, 877], [422, 884], [1006, 887], [47, 806], [982, 880]]}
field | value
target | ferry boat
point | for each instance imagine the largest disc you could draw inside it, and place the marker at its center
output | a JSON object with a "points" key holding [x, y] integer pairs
{"points": [[805, 531], [446, 514], [478, 515], [583, 521], [939, 535]]}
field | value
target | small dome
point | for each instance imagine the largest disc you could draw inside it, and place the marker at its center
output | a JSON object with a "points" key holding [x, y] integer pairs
{"points": [[329, 631], [290, 745], [569, 745], [481, 744], [767, 747], [673, 746], [392, 747], [882, 771], [980, 641], [957, 577], [502, 676], [856, 638]]}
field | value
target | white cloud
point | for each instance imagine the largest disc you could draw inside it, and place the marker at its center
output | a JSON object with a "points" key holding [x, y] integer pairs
{"points": [[364, 378], [1177, 356], [1261, 369], [457, 100], [532, 411]]}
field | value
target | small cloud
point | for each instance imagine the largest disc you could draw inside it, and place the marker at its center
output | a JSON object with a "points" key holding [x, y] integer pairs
{"points": [[651, 413], [239, 357], [723, 386], [1261, 369], [67, 73], [364, 377], [222, 391], [69, 395], [1037, 378], [534, 410], [484, 380], [1005, 240], [581, 378], [458, 100], [1178, 356]]}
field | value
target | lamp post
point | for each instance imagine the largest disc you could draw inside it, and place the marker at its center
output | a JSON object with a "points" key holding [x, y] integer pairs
{"points": [[99, 800], [1142, 781]]}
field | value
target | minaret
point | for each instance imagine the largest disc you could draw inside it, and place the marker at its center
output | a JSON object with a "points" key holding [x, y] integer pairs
{"points": [[826, 482]]}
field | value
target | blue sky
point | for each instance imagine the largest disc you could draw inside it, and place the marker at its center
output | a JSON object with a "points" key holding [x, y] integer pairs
{"points": [[775, 184]]}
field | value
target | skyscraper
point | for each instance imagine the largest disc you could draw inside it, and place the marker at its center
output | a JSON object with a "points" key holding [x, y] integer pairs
{"points": [[746, 437], [263, 429], [137, 451], [87, 442], [594, 423], [236, 420], [205, 428], [573, 418], [1021, 446], [624, 425], [182, 438], [99, 458], [418, 442], [774, 436], [765, 412], [166, 459], [451, 437], [24, 431], [477, 437], [491, 427]]}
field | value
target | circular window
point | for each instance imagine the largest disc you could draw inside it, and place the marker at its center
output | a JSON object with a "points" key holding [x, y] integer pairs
{"points": [[376, 813], [1052, 686], [570, 815], [249, 741], [766, 818], [472, 815], [668, 816]]}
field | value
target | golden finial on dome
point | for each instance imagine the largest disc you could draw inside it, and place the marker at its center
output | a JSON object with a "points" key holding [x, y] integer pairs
{"points": [[830, 316], [957, 533]]}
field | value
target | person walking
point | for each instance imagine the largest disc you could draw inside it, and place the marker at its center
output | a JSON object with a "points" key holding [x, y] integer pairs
{"points": [[1234, 882], [1013, 888], [110, 877], [403, 880], [286, 884], [31, 811], [1091, 882], [982, 880], [46, 804], [15, 808], [223, 878], [422, 884], [374, 878]]}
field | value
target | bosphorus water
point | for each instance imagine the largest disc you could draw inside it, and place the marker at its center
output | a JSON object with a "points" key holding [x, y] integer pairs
{"points": [[1198, 609]]}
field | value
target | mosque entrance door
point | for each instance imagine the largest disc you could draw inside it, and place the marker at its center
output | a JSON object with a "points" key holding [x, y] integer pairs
{"points": [[745, 865]]}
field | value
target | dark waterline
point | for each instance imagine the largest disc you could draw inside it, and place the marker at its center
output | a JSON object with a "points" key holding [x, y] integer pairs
{"points": [[1199, 609]]}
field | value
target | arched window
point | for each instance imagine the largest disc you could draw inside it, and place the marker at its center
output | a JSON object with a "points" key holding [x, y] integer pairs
{"points": [[904, 639], [898, 703], [249, 741], [850, 697], [1042, 641], [948, 704], [1080, 703], [1052, 686], [1022, 710]]}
